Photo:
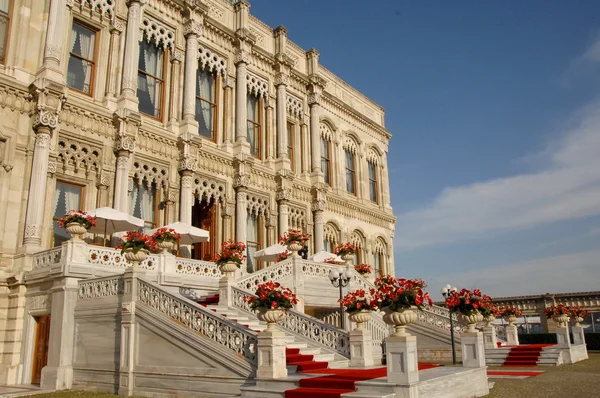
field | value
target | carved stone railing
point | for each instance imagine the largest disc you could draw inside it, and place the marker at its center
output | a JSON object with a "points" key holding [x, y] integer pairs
{"points": [[273, 273], [100, 287], [303, 325], [221, 330], [186, 266], [109, 257], [47, 258]]}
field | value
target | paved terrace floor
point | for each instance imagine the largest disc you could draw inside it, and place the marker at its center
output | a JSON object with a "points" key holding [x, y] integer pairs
{"points": [[578, 380]]}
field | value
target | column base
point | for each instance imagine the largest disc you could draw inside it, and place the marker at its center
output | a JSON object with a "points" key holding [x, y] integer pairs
{"points": [[489, 337], [473, 352], [512, 335], [361, 348], [225, 284], [402, 359], [562, 338], [57, 378], [271, 355]]}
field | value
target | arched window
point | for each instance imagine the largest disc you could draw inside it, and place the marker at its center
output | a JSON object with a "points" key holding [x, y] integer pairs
{"points": [[326, 159], [206, 103], [143, 203], [151, 67], [373, 183], [350, 172], [254, 127], [5, 8], [331, 237], [379, 257]]}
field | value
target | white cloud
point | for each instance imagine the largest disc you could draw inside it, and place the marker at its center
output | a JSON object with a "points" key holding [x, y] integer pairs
{"points": [[566, 188], [575, 272]]}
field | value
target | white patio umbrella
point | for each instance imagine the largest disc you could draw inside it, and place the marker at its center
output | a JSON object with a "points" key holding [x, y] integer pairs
{"points": [[270, 253], [188, 233], [110, 221], [323, 255]]}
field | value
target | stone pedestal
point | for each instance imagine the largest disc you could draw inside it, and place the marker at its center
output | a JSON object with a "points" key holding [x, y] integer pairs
{"points": [[271, 355], [402, 359], [473, 352], [361, 348], [225, 284], [578, 335], [512, 335], [562, 338], [489, 337]]}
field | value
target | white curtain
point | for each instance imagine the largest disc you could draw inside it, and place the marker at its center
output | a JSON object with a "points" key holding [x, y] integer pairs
{"points": [[376, 265], [72, 198], [204, 109], [133, 204], [251, 236], [251, 104], [86, 46], [147, 203], [349, 172]]}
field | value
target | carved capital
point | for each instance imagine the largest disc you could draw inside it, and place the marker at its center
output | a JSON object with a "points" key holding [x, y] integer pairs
{"points": [[52, 168], [42, 140], [117, 27], [33, 231], [172, 195], [228, 209], [281, 78], [186, 181], [242, 56], [306, 120], [125, 143], [5, 166], [229, 82], [50, 98], [193, 27], [123, 162], [314, 99], [177, 56], [284, 194], [188, 163], [241, 181], [318, 206], [271, 221]]}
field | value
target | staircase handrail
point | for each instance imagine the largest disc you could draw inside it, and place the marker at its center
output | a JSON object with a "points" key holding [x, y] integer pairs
{"points": [[300, 324], [273, 273], [221, 330]]}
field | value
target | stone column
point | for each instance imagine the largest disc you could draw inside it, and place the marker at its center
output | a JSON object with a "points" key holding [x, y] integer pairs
{"points": [[269, 130], [174, 110], [116, 28], [271, 222], [125, 147], [318, 208], [489, 337], [241, 213], [473, 351], [186, 201], [361, 348], [512, 335], [283, 198], [58, 374], [191, 30], [242, 59], [228, 209], [227, 128], [55, 40], [281, 80], [304, 140], [102, 184], [401, 359], [314, 100], [132, 52]]}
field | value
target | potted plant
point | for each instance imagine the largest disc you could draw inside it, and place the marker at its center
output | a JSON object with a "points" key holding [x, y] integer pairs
{"points": [[363, 269], [282, 256], [166, 238], [509, 314], [358, 305], [272, 302], [468, 305], [295, 240], [399, 298], [346, 251], [231, 257], [558, 313], [136, 246], [577, 314], [77, 222]]}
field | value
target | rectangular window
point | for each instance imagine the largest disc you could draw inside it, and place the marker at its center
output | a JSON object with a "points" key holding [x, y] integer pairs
{"points": [[254, 125], [350, 173], [4, 27], [67, 197], [290, 144], [328, 246], [372, 182], [252, 242], [377, 264], [206, 103], [82, 65], [325, 160], [142, 203], [151, 82]]}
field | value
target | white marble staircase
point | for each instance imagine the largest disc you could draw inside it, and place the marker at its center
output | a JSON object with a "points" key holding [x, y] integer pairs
{"points": [[550, 356]]}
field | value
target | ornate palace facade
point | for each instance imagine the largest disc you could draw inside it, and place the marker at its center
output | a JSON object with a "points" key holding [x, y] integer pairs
{"points": [[190, 110]]}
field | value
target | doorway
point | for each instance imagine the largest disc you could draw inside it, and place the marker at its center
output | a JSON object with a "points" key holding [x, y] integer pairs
{"points": [[204, 216], [42, 342]]}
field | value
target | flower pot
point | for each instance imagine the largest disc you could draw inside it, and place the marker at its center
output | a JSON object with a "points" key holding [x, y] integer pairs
{"points": [[360, 317], [399, 318], [469, 321], [76, 230], [348, 259], [135, 258], [561, 320], [228, 268], [166, 246], [271, 316], [577, 321], [511, 319], [489, 320], [294, 248]]}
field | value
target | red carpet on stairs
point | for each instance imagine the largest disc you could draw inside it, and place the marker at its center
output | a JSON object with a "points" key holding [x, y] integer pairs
{"points": [[335, 382], [524, 355], [214, 299]]}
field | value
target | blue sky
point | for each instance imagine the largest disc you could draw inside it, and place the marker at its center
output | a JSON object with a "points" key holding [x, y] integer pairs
{"points": [[494, 109]]}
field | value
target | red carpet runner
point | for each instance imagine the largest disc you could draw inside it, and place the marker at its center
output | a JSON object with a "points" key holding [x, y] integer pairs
{"points": [[524, 355], [337, 381]]}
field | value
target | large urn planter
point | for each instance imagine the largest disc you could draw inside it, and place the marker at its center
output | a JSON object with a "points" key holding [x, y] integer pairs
{"points": [[400, 319], [577, 321], [135, 258], [294, 248], [561, 320], [360, 318], [270, 316], [348, 259], [510, 319], [489, 320], [228, 268], [469, 321], [76, 230], [165, 246]]}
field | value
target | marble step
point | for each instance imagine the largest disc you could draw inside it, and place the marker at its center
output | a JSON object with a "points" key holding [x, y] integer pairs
{"points": [[358, 394]]}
